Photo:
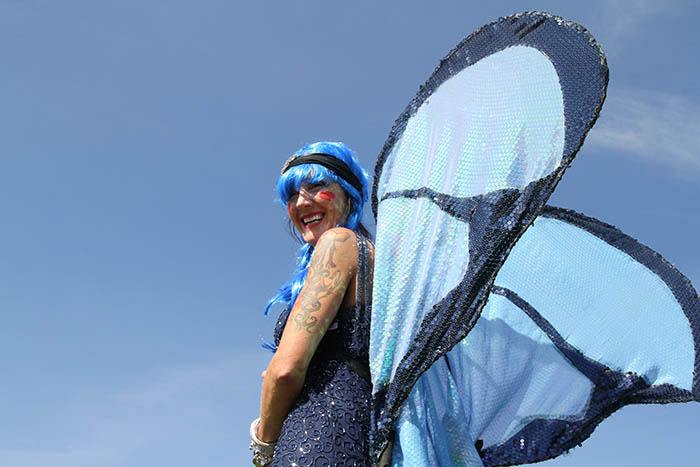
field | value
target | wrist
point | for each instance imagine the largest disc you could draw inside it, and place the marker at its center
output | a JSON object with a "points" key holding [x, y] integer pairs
{"points": [[258, 435], [263, 435]]}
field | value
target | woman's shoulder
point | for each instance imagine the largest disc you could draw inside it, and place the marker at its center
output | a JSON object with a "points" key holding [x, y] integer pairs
{"points": [[338, 233], [339, 244], [344, 243], [348, 238]]}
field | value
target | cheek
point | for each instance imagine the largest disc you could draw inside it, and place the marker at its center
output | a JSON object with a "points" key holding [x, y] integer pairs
{"points": [[339, 204], [326, 195]]}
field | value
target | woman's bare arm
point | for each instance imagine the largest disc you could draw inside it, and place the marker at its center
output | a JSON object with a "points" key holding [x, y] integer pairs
{"points": [[333, 265]]}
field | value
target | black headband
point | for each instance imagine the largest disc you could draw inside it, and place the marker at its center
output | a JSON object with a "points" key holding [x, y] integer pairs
{"points": [[331, 162]]}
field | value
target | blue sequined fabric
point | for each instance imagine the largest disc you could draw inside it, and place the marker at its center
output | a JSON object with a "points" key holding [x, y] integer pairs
{"points": [[465, 170], [329, 423]]}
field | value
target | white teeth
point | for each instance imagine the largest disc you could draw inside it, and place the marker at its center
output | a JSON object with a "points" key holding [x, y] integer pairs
{"points": [[315, 217]]}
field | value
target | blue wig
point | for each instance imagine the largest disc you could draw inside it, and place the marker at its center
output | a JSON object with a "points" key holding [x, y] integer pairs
{"points": [[289, 184]]}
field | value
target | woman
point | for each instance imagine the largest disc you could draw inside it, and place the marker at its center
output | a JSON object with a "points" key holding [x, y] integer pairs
{"points": [[316, 389]]}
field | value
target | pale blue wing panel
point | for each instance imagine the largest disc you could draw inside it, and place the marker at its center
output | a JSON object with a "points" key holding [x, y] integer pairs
{"points": [[466, 168], [512, 135], [582, 320]]}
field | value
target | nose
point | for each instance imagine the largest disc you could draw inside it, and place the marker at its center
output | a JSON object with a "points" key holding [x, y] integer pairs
{"points": [[303, 199]]}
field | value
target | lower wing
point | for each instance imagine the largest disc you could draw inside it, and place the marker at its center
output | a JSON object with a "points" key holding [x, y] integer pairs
{"points": [[582, 320]]}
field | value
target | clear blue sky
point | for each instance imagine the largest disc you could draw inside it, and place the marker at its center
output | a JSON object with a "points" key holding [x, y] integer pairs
{"points": [[139, 145]]}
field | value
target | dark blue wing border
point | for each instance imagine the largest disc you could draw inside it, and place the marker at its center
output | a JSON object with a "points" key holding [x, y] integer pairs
{"points": [[503, 217]]}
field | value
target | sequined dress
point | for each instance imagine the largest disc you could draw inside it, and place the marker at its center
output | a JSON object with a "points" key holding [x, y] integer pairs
{"points": [[329, 423]]}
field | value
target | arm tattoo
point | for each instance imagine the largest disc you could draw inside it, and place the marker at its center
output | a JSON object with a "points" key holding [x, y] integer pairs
{"points": [[324, 280]]}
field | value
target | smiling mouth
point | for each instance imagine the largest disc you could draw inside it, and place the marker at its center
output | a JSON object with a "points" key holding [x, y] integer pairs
{"points": [[312, 219]]}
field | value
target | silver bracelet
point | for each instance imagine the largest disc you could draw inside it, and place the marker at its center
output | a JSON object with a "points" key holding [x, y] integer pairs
{"points": [[262, 451]]}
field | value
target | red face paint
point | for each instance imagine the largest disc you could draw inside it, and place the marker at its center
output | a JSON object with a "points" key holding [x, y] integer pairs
{"points": [[326, 195]]}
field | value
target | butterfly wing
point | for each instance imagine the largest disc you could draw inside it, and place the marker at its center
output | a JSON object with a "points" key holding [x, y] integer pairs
{"points": [[582, 320], [466, 168]]}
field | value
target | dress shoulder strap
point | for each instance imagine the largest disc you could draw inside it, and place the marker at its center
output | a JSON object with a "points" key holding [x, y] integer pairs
{"points": [[364, 271]]}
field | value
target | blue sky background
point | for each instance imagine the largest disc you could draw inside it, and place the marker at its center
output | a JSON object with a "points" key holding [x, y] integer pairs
{"points": [[139, 240]]}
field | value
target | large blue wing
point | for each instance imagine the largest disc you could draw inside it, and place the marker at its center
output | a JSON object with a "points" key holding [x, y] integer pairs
{"points": [[466, 168], [582, 320]]}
